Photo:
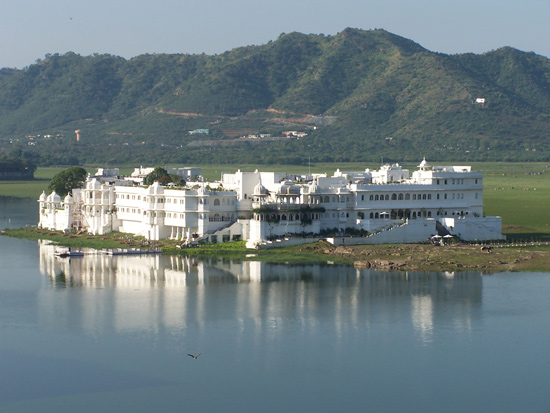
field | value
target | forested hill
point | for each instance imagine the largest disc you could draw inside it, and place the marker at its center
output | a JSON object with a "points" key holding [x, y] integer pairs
{"points": [[359, 96]]}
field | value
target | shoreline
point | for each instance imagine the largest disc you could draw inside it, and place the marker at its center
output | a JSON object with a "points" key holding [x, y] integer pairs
{"points": [[526, 256]]}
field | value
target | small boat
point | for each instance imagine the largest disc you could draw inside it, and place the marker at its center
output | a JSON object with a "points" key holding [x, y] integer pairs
{"points": [[131, 251], [69, 253]]}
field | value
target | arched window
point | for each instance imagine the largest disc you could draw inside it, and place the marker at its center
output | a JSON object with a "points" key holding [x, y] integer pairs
{"points": [[414, 197], [393, 197], [429, 196], [371, 216], [362, 197], [372, 197], [407, 196], [216, 202], [400, 197], [387, 197]]}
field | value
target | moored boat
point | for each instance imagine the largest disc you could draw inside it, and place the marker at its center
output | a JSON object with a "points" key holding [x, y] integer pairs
{"points": [[69, 253]]}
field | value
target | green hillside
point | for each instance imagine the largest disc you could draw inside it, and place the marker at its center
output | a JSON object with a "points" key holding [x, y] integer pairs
{"points": [[359, 96]]}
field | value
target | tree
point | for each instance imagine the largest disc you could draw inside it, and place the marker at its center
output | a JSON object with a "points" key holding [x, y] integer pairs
{"points": [[159, 174], [66, 180], [177, 180]]}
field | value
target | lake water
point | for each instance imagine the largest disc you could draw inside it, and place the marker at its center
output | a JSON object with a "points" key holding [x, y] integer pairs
{"points": [[113, 334]]}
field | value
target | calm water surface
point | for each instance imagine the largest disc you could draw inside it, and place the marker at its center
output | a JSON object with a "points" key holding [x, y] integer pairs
{"points": [[113, 333]]}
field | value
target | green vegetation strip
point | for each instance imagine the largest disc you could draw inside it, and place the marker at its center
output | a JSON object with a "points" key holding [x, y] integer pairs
{"points": [[510, 256]]}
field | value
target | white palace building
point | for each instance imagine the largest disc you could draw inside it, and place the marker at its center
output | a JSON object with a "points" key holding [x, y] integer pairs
{"points": [[271, 208]]}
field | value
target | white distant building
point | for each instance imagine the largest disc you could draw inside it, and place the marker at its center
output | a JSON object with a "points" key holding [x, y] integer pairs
{"points": [[388, 205], [140, 173]]}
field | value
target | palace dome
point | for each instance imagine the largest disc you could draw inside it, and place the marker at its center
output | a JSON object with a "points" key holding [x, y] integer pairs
{"points": [[53, 197], [424, 164], [260, 189]]}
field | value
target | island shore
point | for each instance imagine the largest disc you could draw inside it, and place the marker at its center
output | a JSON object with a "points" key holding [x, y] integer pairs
{"points": [[524, 256]]}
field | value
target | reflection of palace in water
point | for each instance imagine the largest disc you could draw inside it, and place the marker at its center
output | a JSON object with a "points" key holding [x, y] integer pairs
{"points": [[155, 291]]}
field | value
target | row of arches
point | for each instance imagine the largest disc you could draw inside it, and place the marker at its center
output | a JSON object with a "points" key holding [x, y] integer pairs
{"points": [[400, 214], [286, 217], [397, 197]]}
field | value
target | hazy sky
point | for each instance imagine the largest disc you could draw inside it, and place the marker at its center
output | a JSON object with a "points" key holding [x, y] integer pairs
{"points": [[32, 28]]}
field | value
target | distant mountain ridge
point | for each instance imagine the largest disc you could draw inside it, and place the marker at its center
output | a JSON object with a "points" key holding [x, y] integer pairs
{"points": [[359, 95]]}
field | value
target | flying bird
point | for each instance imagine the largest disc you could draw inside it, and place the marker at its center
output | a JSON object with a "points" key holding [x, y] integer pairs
{"points": [[195, 357]]}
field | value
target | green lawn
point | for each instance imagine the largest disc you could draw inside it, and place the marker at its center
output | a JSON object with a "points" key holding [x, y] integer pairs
{"points": [[29, 189], [520, 194]]}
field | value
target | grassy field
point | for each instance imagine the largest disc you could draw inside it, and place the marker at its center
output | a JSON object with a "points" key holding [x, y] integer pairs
{"points": [[518, 192], [29, 189]]}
